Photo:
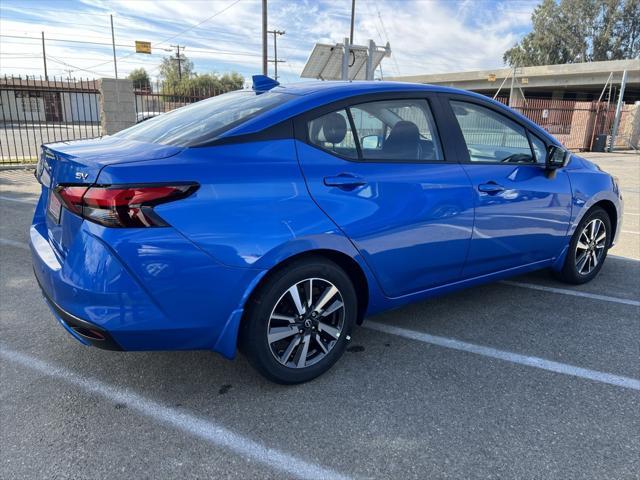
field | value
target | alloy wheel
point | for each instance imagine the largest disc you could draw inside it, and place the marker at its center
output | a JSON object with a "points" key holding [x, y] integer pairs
{"points": [[306, 323], [591, 246]]}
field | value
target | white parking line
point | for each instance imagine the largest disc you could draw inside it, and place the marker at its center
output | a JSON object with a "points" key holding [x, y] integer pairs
{"points": [[536, 362], [191, 424], [630, 231], [13, 243], [626, 259], [18, 200], [573, 293]]}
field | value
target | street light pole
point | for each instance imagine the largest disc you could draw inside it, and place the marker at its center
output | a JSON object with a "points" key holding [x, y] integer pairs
{"points": [[44, 58], [113, 42], [353, 16]]}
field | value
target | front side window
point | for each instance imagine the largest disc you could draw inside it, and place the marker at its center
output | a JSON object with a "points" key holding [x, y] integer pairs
{"points": [[490, 136], [333, 132], [205, 120]]}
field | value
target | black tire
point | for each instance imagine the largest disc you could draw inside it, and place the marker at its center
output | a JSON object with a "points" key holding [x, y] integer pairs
{"points": [[570, 272], [254, 330]]}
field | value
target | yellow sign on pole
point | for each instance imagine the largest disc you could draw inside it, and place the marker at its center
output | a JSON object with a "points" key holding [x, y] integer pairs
{"points": [[143, 47]]}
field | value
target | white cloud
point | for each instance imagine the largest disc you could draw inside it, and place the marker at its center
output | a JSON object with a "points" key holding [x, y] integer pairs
{"points": [[425, 36]]}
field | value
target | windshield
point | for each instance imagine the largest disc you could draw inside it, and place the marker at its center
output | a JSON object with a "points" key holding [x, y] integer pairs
{"points": [[203, 121]]}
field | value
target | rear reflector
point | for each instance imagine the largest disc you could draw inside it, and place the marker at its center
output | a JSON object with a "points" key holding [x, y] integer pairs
{"points": [[122, 206]]}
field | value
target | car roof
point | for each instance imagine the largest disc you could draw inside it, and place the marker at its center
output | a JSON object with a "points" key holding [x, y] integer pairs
{"points": [[351, 87], [311, 94]]}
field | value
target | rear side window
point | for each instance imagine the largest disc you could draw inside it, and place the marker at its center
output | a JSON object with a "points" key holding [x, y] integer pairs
{"points": [[490, 136], [387, 130], [396, 130], [204, 121], [333, 132]]}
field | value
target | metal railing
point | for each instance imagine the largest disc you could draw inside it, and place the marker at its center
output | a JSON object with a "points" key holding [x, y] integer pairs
{"points": [[160, 98], [36, 111], [576, 123]]}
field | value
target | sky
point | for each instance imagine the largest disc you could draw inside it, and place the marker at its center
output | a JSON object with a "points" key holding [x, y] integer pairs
{"points": [[426, 36]]}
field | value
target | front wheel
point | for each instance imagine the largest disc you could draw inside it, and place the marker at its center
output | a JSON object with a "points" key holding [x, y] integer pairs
{"points": [[588, 248], [298, 323]]}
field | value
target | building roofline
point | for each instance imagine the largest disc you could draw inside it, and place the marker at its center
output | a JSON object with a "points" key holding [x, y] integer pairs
{"points": [[567, 69]]}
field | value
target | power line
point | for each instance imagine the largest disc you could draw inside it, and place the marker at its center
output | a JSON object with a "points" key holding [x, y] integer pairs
{"points": [[127, 45], [199, 23], [395, 61], [275, 60], [179, 33]]}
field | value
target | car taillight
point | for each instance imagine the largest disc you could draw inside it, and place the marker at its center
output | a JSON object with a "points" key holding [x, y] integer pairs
{"points": [[122, 206]]}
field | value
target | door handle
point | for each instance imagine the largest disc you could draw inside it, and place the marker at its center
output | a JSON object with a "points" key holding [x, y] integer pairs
{"points": [[344, 181], [491, 188]]}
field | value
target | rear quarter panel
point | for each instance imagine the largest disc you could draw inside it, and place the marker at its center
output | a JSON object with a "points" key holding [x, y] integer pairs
{"points": [[252, 210], [252, 199]]}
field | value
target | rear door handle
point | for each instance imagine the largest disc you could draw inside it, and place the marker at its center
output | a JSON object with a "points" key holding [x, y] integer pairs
{"points": [[345, 181], [491, 188]]}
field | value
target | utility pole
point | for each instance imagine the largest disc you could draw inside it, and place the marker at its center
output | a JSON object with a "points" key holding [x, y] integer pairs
{"points": [[113, 42], [353, 16], [179, 60], [265, 67], [44, 58], [275, 60]]}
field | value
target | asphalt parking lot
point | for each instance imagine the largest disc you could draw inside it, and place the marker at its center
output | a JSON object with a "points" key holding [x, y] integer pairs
{"points": [[523, 379]]}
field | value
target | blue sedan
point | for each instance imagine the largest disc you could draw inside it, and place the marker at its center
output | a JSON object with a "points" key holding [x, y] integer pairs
{"points": [[274, 220]]}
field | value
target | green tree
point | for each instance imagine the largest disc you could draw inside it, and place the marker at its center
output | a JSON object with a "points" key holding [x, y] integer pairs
{"points": [[172, 74], [572, 31], [141, 80], [195, 84]]}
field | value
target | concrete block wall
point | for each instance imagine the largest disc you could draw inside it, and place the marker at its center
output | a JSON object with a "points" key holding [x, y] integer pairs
{"points": [[117, 105]]}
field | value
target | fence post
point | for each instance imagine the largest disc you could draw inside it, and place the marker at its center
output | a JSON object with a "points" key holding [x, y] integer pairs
{"points": [[117, 105]]}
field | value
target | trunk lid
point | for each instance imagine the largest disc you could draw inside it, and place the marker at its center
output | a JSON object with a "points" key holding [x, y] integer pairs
{"points": [[80, 163]]}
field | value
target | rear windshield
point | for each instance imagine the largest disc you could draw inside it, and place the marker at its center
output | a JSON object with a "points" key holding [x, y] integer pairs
{"points": [[203, 121]]}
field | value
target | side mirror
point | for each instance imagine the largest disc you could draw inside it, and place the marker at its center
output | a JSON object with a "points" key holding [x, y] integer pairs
{"points": [[557, 157], [371, 142]]}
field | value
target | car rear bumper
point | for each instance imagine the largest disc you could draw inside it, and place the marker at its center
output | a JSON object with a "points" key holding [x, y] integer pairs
{"points": [[84, 331], [165, 294]]}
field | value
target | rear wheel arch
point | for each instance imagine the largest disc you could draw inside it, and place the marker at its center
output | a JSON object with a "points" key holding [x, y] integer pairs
{"points": [[344, 261]]}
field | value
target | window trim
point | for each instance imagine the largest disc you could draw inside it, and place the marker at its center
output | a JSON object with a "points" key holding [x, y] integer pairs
{"points": [[302, 120], [544, 142], [328, 150]]}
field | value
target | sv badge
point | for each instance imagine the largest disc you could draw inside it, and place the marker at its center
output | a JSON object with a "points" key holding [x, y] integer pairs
{"points": [[81, 176]]}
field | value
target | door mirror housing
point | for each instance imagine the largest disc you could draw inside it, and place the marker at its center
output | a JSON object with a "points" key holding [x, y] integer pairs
{"points": [[371, 142], [557, 157]]}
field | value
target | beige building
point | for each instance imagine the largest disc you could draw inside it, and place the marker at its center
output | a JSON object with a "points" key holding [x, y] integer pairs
{"points": [[563, 99], [573, 81]]}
